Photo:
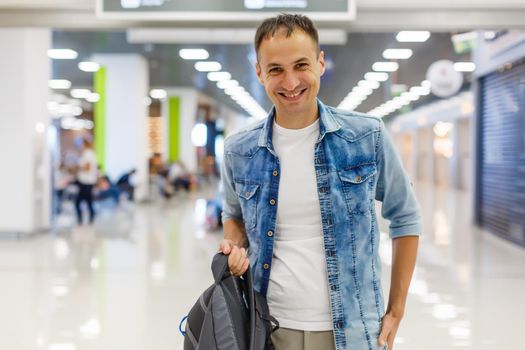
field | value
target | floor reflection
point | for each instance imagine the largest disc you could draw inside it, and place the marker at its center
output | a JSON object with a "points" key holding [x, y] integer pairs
{"points": [[126, 282]]}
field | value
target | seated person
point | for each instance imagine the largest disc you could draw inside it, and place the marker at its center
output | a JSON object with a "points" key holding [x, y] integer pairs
{"points": [[124, 184], [104, 189]]}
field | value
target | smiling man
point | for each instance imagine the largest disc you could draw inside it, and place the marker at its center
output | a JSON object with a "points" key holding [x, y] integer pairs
{"points": [[299, 192]]}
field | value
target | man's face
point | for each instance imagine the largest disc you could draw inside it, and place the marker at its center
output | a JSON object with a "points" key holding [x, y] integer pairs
{"points": [[290, 70]]}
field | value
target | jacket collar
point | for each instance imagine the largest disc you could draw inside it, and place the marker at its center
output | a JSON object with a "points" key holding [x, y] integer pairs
{"points": [[327, 124]]}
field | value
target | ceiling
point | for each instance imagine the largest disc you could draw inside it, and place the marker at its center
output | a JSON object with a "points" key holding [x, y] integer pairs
{"points": [[76, 26], [346, 64]]}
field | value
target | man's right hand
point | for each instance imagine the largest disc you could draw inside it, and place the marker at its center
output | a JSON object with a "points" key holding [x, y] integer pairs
{"points": [[237, 258]]}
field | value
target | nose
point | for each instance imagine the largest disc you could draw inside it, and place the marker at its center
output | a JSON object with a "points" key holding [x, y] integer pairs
{"points": [[290, 81]]}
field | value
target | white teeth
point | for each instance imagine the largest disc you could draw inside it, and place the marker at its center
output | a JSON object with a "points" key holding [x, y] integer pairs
{"points": [[292, 95]]}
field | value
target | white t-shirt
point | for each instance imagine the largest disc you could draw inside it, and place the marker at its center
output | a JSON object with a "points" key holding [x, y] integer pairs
{"points": [[298, 289], [87, 177]]}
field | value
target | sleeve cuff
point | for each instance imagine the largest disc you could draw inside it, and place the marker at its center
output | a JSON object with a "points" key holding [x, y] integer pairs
{"points": [[406, 230]]}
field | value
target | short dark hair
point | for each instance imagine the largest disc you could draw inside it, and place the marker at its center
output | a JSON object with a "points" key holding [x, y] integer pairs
{"points": [[290, 22]]}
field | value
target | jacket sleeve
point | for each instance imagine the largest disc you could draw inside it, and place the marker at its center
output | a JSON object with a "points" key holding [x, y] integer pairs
{"points": [[395, 191], [231, 208]]}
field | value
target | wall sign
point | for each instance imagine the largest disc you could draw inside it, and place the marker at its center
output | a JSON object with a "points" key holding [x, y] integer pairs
{"points": [[223, 10], [445, 80]]}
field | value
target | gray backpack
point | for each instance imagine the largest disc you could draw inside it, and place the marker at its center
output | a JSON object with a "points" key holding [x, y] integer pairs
{"points": [[229, 315]]}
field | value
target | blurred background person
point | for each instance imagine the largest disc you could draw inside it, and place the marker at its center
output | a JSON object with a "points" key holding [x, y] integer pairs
{"points": [[87, 175], [105, 189], [62, 180], [179, 176], [125, 185]]}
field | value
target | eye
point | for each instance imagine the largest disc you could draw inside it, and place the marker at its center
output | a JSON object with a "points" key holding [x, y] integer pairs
{"points": [[275, 70], [301, 66]]}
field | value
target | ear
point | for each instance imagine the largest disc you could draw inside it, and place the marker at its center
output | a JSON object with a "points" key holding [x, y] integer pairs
{"points": [[321, 62], [259, 72]]}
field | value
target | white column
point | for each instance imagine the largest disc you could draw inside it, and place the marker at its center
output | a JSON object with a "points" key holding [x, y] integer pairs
{"points": [[25, 179], [188, 112], [126, 148]]}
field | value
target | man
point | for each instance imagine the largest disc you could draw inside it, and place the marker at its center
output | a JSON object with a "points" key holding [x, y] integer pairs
{"points": [[87, 178], [299, 191]]}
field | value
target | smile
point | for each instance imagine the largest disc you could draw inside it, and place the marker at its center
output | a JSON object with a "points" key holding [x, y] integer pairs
{"points": [[292, 95]]}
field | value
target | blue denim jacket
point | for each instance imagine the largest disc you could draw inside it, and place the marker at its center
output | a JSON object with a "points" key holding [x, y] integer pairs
{"points": [[355, 163]]}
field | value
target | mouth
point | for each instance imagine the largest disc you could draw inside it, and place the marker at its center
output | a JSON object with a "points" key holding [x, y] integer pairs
{"points": [[292, 96]]}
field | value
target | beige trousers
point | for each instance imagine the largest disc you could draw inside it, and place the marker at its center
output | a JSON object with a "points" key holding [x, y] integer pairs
{"points": [[291, 339]]}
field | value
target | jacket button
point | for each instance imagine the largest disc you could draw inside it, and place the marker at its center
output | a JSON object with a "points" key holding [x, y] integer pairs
{"points": [[272, 201], [247, 194], [266, 266], [275, 173], [270, 233], [358, 179]]}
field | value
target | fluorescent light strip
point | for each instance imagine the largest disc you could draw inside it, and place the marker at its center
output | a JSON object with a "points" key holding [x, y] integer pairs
{"points": [[376, 76], [62, 54], [93, 97], [371, 84], [407, 97], [88, 66], [225, 84], [224, 81], [194, 54], [219, 76], [243, 99], [385, 66], [363, 89], [208, 66], [397, 54], [414, 36], [159, 94]]}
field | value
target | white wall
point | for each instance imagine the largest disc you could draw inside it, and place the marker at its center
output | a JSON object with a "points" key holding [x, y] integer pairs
{"points": [[25, 179]]}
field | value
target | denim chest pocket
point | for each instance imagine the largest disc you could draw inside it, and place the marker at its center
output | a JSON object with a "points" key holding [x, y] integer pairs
{"points": [[357, 184], [248, 196]]}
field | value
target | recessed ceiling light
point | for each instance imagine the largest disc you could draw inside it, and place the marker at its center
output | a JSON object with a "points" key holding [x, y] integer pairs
{"points": [[93, 97], [158, 94], [62, 54], [227, 84], [87, 66], [194, 54], [412, 36], [208, 66], [385, 66], [219, 76], [372, 84], [397, 54], [376, 76]]}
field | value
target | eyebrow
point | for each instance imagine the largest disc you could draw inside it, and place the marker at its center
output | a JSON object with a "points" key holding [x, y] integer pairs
{"points": [[302, 59]]}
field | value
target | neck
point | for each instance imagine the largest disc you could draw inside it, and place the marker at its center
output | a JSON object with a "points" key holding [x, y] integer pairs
{"points": [[296, 121]]}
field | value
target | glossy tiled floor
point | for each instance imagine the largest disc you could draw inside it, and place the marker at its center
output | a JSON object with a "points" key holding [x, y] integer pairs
{"points": [[126, 282]]}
